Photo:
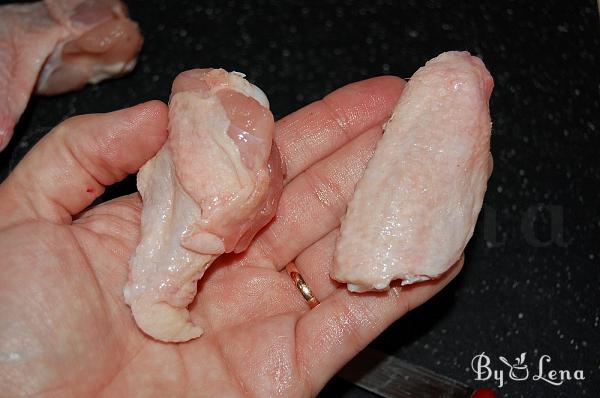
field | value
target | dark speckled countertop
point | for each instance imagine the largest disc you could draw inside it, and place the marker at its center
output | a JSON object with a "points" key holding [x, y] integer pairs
{"points": [[532, 279]]}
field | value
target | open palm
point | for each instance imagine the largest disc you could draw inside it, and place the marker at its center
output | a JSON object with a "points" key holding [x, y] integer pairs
{"points": [[64, 327]]}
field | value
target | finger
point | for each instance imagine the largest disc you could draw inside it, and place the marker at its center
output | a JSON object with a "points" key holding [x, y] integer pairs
{"points": [[319, 129], [70, 167], [312, 204], [335, 331], [315, 263]]}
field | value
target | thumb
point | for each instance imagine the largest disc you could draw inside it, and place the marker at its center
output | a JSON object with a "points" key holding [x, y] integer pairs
{"points": [[70, 167]]}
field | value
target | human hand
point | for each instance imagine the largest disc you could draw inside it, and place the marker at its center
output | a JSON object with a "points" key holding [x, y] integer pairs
{"points": [[65, 328]]}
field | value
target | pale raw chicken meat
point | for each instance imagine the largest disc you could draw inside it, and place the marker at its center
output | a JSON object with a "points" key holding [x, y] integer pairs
{"points": [[208, 191], [415, 208], [56, 46]]}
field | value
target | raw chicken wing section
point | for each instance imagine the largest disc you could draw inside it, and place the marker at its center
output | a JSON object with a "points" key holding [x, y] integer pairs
{"points": [[56, 46], [214, 184], [415, 208]]}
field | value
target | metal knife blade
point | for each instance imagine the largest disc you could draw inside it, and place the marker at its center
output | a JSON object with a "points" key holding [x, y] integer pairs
{"points": [[390, 377]]}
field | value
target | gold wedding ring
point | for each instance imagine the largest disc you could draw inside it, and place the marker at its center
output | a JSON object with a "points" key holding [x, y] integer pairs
{"points": [[302, 285]]}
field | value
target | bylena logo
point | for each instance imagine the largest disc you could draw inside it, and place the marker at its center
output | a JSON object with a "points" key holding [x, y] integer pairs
{"points": [[519, 370]]}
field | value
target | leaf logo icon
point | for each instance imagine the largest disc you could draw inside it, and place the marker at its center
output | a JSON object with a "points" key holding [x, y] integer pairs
{"points": [[518, 371]]}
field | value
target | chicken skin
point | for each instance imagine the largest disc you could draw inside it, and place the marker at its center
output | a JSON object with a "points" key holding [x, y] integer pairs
{"points": [[56, 46], [214, 184], [415, 208]]}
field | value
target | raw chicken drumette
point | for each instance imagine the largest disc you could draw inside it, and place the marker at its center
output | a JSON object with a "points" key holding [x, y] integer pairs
{"points": [[212, 186]]}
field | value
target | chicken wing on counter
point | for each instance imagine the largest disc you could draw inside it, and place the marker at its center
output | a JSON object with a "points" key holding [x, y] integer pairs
{"points": [[56, 46]]}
